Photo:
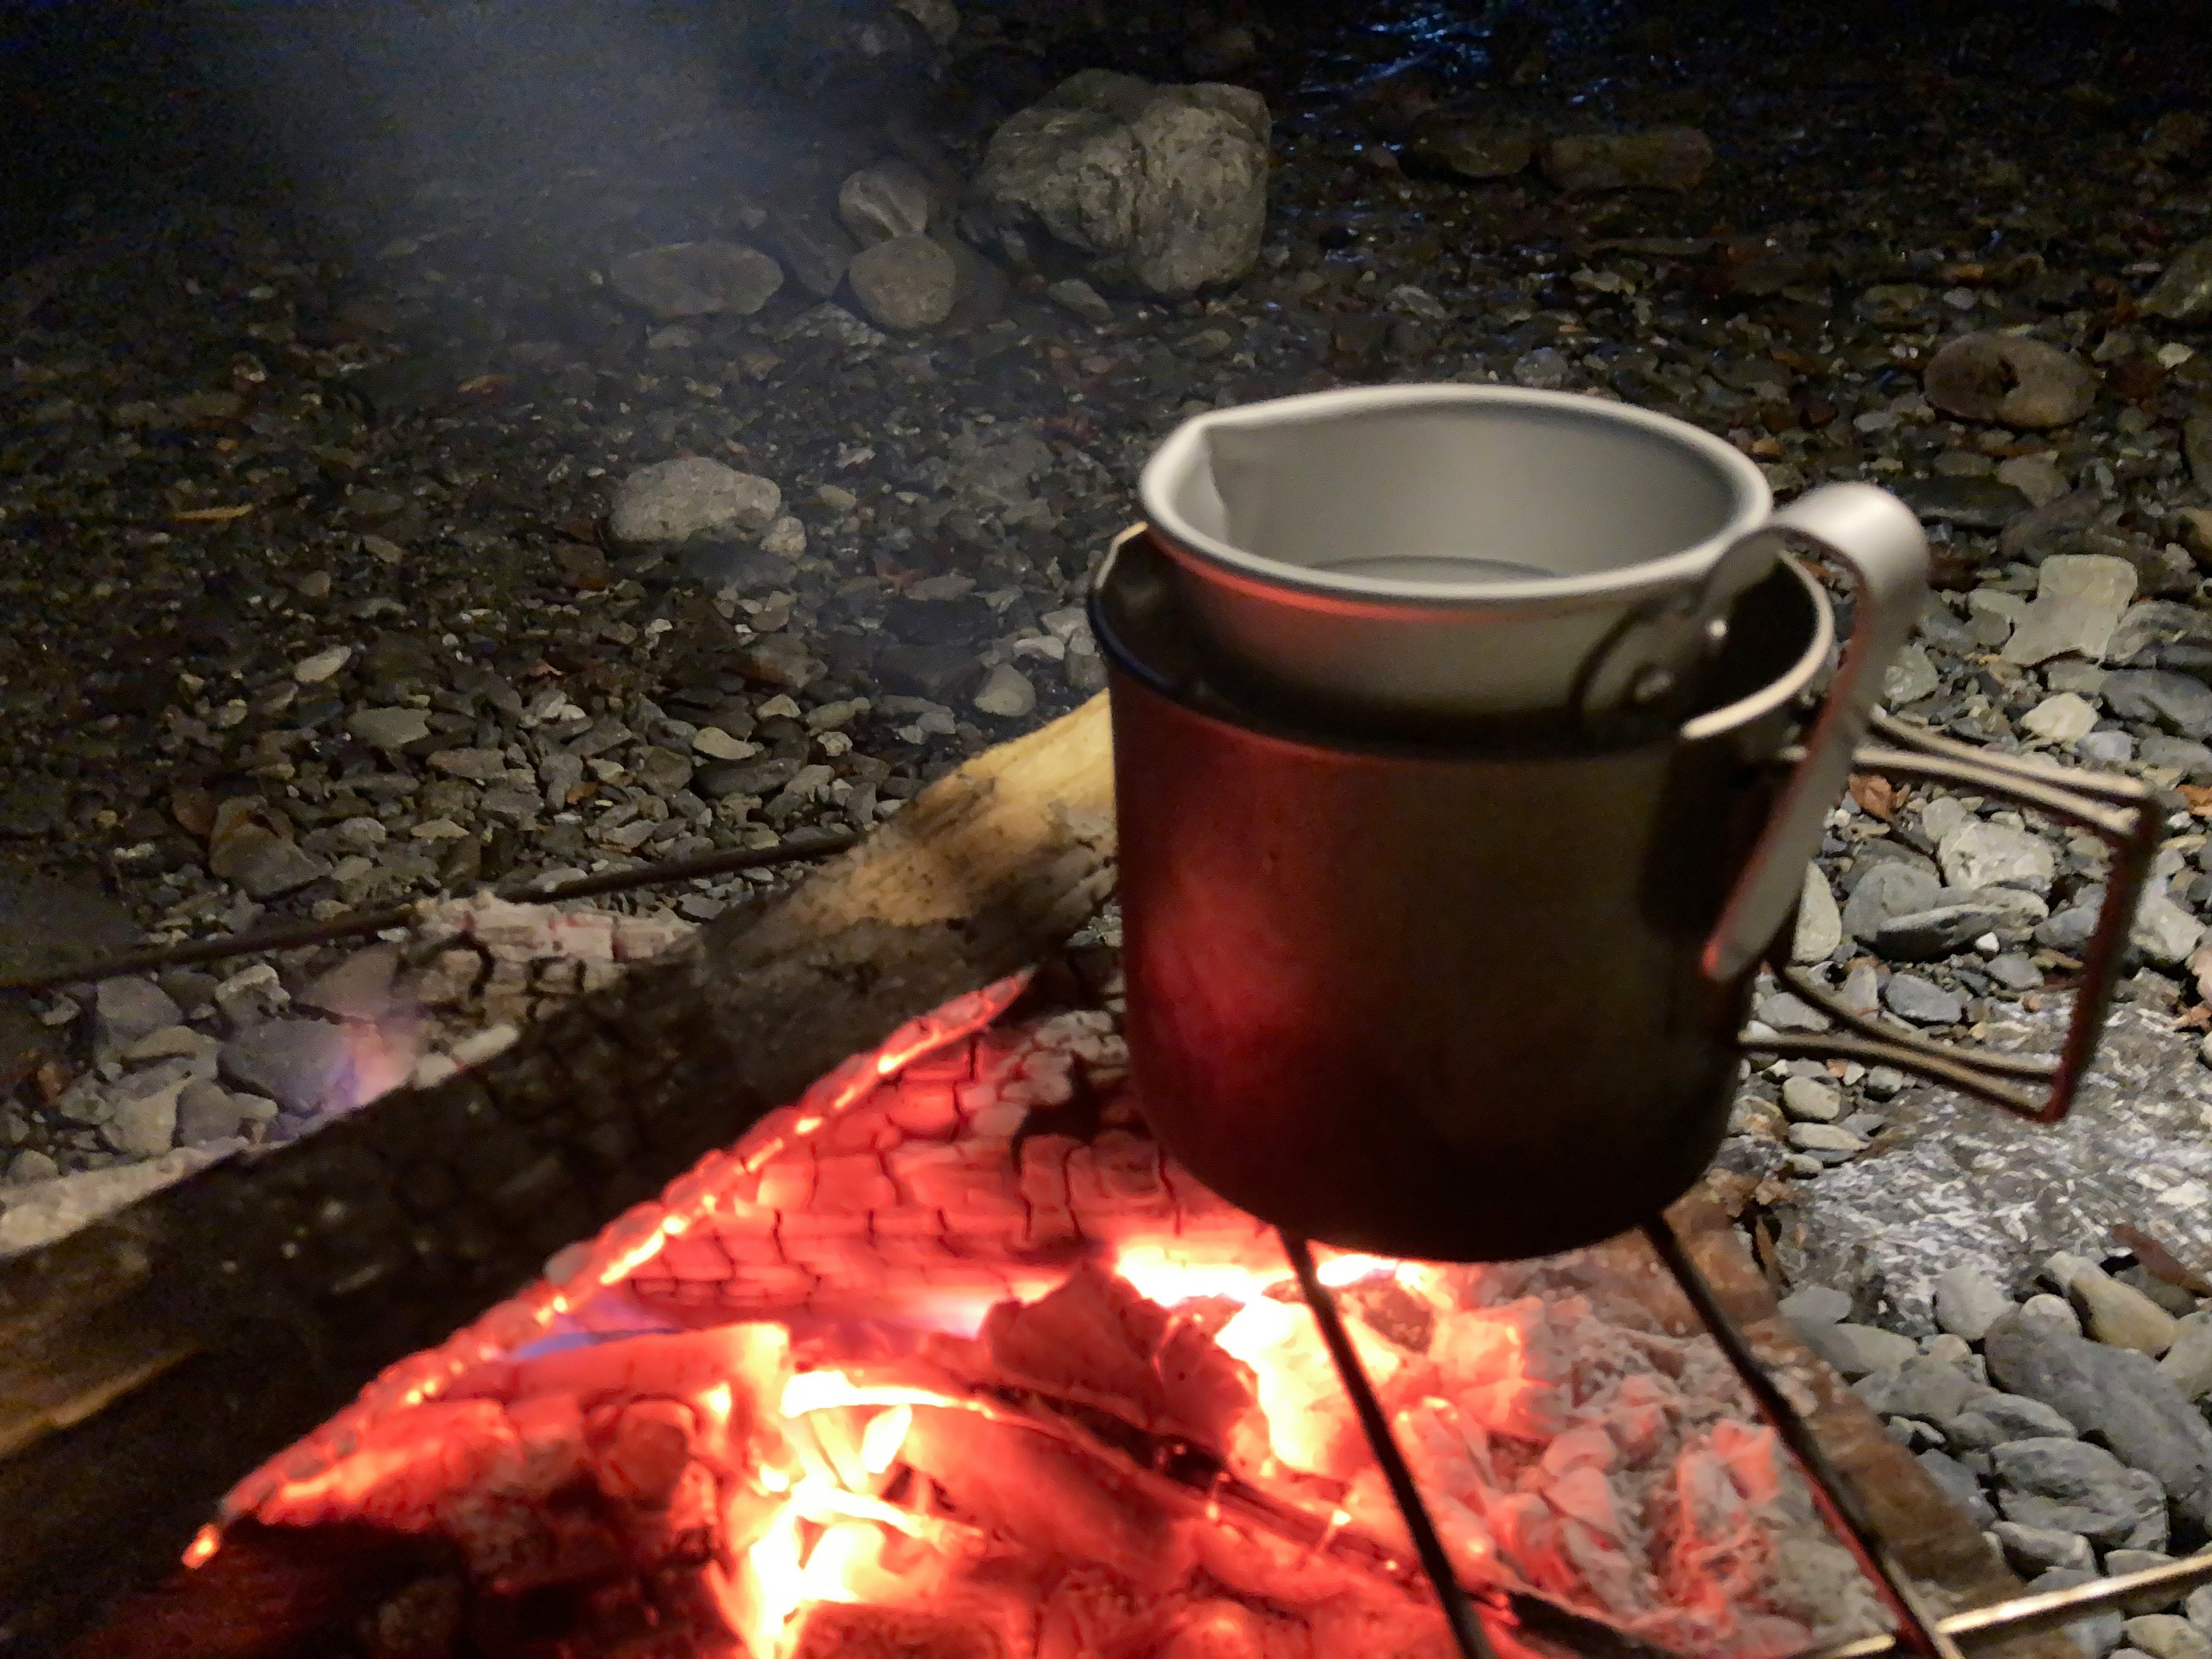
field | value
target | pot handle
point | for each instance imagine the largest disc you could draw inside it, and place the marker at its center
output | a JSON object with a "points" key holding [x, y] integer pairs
{"points": [[1874, 534]]}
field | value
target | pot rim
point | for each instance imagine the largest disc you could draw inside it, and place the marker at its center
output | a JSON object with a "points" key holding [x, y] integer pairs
{"points": [[1217, 562]]}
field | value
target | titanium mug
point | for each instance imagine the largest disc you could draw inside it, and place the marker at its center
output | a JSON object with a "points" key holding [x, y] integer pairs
{"points": [[1426, 557], [1477, 1001]]}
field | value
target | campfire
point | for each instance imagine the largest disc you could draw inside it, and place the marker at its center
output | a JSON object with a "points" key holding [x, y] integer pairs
{"points": [[946, 1361]]}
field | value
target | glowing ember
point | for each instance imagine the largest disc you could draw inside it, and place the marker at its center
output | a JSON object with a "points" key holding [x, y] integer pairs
{"points": [[895, 1374]]}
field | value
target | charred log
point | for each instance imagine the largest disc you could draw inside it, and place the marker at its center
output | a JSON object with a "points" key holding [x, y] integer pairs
{"points": [[149, 1361]]}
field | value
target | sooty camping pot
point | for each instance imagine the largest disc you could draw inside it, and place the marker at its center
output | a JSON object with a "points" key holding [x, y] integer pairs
{"points": [[1438, 1001]]}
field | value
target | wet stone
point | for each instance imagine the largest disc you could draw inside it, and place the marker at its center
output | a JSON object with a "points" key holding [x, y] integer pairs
{"points": [[1968, 1302], [1470, 146], [1664, 158]]}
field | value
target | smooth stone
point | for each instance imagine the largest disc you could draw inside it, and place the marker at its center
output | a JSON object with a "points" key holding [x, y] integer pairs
{"points": [[1857, 1350], [1819, 926], [1921, 1001], [2188, 1358], [906, 283], [2060, 719], [2120, 1563], [1471, 146], [1993, 1418], [2164, 1636], [696, 279], [1810, 1100], [1979, 853], [1073, 294], [2009, 378], [1967, 1301], [2036, 476], [2080, 600], [2055, 1311], [690, 496], [322, 665], [717, 745], [2119, 1316], [887, 200], [171, 1042], [1889, 889], [1824, 1141], [2116, 1393], [2105, 748]]}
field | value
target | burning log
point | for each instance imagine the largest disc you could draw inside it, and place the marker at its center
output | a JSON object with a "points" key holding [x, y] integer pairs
{"points": [[148, 1361]]}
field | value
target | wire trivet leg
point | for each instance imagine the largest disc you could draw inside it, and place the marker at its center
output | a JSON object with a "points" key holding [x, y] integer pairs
{"points": [[1918, 1630], [1459, 1610]]}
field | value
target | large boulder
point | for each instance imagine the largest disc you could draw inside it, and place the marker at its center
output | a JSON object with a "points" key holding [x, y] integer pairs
{"points": [[1164, 187]]}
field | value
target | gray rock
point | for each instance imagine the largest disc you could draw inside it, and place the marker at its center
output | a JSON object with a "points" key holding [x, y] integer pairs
{"points": [[1959, 1484], [388, 728], [1164, 187], [144, 1124], [2079, 600], [1825, 1141], [2160, 697], [2188, 1362], [207, 1111], [689, 498], [2158, 621], [2105, 748], [888, 200], [250, 996], [1970, 503], [125, 1011], [303, 1065], [907, 283], [1073, 294], [1820, 927], [1927, 935], [265, 865], [2032, 1550], [2055, 1311], [2164, 932], [1810, 1100], [2119, 1563], [1968, 1302], [1889, 889], [1993, 1418], [2197, 1608], [1920, 1387], [696, 279], [1470, 145], [2073, 1487], [1921, 1001], [2094, 1638], [1663, 158], [360, 987], [2060, 718], [1006, 693], [1816, 1304], [2119, 1395], [1856, 1350], [2036, 476], [31, 1165], [1911, 677], [2010, 379], [2163, 1635], [2183, 292], [1979, 853], [815, 251]]}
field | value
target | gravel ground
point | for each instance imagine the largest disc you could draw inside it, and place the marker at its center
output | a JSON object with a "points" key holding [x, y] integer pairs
{"points": [[586, 442]]}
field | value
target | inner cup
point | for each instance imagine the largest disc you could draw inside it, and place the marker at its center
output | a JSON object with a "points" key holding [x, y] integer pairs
{"points": [[1450, 491]]}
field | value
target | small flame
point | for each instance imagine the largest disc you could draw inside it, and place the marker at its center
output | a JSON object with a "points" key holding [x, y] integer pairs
{"points": [[1171, 1274], [205, 1542]]}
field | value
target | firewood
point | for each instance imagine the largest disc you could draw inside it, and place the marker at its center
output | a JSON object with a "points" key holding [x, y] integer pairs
{"points": [[149, 1360]]}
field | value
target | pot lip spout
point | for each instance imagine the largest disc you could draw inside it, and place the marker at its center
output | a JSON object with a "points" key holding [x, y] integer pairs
{"points": [[1179, 467]]}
